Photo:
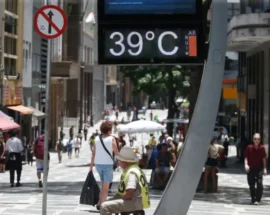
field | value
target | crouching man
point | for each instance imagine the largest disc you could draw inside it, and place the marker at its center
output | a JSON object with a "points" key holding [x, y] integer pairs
{"points": [[133, 193]]}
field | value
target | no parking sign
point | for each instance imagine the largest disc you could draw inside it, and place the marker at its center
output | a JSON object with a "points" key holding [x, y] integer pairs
{"points": [[50, 21]]}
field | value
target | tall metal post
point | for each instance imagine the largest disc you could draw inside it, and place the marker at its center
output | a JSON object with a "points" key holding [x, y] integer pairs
{"points": [[1, 51], [47, 118], [182, 186]]}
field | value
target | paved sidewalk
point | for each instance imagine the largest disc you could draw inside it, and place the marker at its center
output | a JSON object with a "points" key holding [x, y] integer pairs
{"points": [[66, 181]]}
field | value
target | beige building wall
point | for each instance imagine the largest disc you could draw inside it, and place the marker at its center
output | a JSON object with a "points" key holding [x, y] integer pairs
{"points": [[13, 36], [20, 38], [266, 105]]}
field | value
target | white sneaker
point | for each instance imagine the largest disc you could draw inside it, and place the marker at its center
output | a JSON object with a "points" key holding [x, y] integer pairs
{"points": [[256, 203]]}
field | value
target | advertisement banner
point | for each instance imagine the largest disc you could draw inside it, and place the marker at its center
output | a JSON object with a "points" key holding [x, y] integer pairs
{"points": [[12, 92]]}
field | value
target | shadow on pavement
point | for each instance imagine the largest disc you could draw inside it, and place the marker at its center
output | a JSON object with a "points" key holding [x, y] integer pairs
{"points": [[61, 188], [74, 166], [232, 195], [233, 167]]}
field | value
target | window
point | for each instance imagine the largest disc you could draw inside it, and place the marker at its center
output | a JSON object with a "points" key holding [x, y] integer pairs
{"points": [[233, 9], [10, 45], [91, 56], [10, 24], [88, 56], [10, 66], [36, 63], [30, 50], [11, 6], [85, 54]]}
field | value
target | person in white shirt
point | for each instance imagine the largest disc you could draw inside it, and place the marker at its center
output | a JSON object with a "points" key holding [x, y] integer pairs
{"points": [[102, 157], [14, 147], [77, 145]]}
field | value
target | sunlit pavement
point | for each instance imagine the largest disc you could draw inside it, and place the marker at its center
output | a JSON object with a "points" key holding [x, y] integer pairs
{"points": [[66, 180]]}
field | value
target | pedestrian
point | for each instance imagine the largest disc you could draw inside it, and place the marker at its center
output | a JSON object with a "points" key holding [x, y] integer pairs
{"points": [[29, 151], [70, 148], [59, 148], [211, 165], [2, 155], [71, 132], [128, 114], [116, 114], [62, 134], [255, 166], [85, 131], [102, 157], [15, 148], [77, 146], [92, 141], [80, 135], [133, 191], [92, 121], [38, 149]]}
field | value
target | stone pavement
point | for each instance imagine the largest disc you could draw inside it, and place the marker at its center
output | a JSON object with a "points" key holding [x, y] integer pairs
{"points": [[66, 181]]}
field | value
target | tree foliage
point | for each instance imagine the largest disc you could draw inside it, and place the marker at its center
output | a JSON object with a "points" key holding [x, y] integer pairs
{"points": [[156, 80], [170, 81]]}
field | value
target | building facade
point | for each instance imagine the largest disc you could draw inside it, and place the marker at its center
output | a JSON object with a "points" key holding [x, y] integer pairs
{"points": [[77, 83], [249, 35]]}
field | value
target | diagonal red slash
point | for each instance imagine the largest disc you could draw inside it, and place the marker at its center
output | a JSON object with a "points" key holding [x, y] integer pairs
{"points": [[50, 22]]}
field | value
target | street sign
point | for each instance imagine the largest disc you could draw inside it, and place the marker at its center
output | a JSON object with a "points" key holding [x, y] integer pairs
{"points": [[50, 21]]}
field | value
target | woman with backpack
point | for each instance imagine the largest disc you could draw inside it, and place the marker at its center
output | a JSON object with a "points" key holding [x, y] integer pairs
{"points": [[38, 149]]}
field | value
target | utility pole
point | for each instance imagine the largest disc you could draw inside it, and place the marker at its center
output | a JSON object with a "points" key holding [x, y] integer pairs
{"points": [[1, 52], [47, 118]]}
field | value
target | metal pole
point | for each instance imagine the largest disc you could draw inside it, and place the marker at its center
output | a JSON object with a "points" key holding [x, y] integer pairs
{"points": [[47, 117], [182, 186], [1, 52]]}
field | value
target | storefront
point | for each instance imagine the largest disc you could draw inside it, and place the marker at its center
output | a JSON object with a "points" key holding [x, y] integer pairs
{"points": [[249, 35], [12, 106]]}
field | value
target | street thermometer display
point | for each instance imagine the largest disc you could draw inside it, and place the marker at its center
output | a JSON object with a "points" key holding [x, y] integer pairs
{"points": [[132, 32], [166, 45]]}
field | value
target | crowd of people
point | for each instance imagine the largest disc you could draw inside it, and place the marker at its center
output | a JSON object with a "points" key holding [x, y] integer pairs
{"points": [[110, 153]]}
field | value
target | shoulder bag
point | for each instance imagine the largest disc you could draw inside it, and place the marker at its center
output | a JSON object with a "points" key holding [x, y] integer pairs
{"points": [[107, 151]]}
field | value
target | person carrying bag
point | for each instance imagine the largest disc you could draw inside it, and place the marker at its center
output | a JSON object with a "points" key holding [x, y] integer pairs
{"points": [[105, 145]]}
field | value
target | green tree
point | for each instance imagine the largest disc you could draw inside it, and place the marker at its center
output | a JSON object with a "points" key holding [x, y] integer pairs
{"points": [[172, 81]]}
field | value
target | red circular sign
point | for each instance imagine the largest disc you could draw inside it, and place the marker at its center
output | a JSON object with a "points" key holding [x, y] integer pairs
{"points": [[50, 21]]}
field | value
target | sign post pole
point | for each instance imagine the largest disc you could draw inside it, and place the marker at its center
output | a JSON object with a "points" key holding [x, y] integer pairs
{"points": [[47, 118], [50, 22]]}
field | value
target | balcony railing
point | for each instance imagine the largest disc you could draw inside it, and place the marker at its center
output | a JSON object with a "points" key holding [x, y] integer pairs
{"points": [[63, 59]]}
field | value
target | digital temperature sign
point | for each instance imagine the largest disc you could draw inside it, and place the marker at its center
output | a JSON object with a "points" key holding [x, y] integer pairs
{"points": [[149, 46], [122, 11], [150, 6]]}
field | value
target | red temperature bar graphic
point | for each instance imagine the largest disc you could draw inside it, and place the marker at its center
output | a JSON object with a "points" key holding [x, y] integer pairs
{"points": [[192, 46]]}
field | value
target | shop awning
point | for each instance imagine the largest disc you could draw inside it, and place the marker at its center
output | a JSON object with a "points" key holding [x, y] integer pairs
{"points": [[37, 113], [7, 116], [7, 124], [22, 109]]}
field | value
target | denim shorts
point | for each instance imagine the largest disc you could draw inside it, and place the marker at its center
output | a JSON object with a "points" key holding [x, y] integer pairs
{"points": [[105, 172], [162, 170]]}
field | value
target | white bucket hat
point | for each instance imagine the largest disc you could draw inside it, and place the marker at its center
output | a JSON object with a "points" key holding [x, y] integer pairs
{"points": [[169, 138], [127, 155]]}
